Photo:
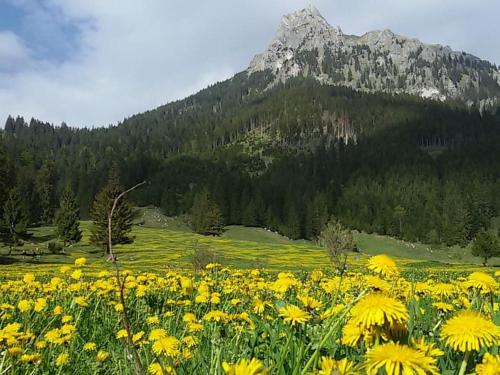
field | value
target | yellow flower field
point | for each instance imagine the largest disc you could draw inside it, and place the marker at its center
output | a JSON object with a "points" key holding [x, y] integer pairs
{"points": [[384, 320]]}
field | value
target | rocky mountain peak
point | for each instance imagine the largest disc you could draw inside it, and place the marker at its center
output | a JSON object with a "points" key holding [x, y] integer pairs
{"points": [[378, 61]]}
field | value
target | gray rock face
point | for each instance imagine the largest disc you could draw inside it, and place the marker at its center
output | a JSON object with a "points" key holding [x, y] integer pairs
{"points": [[378, 61]]}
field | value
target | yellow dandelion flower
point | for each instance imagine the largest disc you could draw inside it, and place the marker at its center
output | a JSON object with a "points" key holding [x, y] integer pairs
{"points": [[81, 301], [167, 345], [157, 333], [62, 359], [15, 351], [102, 356], [41, 344], [76, 274], [24, 305], [379, 310], [34, 358], [58, 310], [29, 278], [489, 366], [80, 262], [443, 306], [155, 369], [67, 319], [383, 265], [468, 330], [40, 304], [245, 367], [89, 346], [292, 314], [399, 359], [152, 320], [482, 282], [138, 336], [122, 333], [428, 348], [329, 365]]}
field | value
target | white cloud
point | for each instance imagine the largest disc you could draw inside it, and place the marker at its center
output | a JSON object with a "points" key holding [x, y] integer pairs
{"points": [[13, 52], [135, 55]]}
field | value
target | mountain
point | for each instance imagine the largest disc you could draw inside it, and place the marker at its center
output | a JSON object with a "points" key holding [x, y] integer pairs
{"points": [[286, 144], [306, 45]]}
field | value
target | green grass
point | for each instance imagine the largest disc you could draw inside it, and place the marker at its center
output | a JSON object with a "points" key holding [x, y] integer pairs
{"points": [[162, 242]]}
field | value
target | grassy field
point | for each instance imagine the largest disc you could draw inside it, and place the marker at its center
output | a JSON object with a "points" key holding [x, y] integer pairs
{"points": [[66, 314], [162, 242]]}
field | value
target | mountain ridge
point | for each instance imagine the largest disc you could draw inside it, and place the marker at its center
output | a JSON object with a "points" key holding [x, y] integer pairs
{"points": [[377, 61]]}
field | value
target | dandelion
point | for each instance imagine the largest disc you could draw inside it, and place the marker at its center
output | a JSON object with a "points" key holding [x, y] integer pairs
{"points": [[489, 366], [122, 333], [24, 305], [468, 330], [166, 345], [40, 304], [245, 367], [89, 346], [383, 265], [293, 315], [379, 310], [152, 320], [443, 306], [157, 334], [399, 359], [482, 282], [330, 366], [102, 356], [62, 359], [80, 262], [34, 358], [155, 369], [81, 301]]}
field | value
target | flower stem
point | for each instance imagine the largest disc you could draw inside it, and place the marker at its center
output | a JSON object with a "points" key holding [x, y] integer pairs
{"points": [[463, 366]]}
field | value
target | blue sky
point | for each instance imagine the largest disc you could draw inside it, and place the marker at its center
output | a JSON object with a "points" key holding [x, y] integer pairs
{"points": [[95, 62]]}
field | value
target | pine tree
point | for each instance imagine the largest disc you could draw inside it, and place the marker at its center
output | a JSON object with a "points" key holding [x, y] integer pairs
{"points": [[15, 218], [486, 246], [293, 224], [67, 218], [45, 192], [206, 217], [122, 216]]}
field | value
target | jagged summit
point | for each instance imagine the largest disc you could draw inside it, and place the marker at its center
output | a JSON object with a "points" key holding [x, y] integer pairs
{"points": [[302, 30], [307, 45]]}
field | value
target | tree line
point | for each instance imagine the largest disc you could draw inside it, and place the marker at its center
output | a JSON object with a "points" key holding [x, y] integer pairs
{"points": [[286, 159]]}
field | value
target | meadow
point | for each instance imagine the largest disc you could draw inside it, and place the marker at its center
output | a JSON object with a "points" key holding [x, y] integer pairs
{"points": [[270, 306]]}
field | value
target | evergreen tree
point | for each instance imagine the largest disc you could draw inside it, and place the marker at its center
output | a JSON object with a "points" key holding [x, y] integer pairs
{"points": [[44, 188], [293, 228], [67, 218], [486, 246], [121, 220], [15, 219], [206, 217]]}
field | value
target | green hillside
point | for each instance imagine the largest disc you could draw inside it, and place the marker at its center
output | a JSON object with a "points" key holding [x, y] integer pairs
{"points": [[162, 242]]}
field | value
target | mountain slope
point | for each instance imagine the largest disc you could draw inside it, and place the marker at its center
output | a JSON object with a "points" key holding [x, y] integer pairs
{"points": [[306, 45]]}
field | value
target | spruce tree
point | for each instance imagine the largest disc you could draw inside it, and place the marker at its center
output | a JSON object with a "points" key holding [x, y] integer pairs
{"points": [[206, 217], [121, 220], [15, 219], [44, 188], [67, 218], [486, 246]]}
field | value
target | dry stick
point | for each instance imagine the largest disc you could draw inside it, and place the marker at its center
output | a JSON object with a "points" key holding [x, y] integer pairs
{"points": [[139, 369]]}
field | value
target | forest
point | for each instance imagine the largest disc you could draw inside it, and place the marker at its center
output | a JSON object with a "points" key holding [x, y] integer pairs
{"points": [[285, 158]]}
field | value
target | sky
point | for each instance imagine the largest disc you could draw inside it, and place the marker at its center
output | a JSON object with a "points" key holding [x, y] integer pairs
{"points": [[95, 62]]}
